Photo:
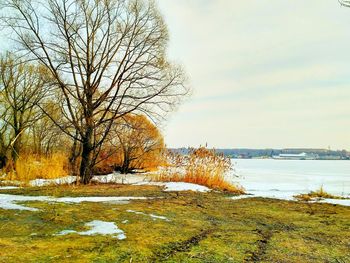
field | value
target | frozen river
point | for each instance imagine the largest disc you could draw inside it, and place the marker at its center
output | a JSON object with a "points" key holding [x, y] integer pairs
{"points": [[285, 178]]}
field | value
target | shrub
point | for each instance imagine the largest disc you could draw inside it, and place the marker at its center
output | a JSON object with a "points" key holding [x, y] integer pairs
{"points": [[201, 166]]}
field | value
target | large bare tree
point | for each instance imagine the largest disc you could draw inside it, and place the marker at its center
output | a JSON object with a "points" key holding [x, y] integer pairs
{"points": [[108, 58]]}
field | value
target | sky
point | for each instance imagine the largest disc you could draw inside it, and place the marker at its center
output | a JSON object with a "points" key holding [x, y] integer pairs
{"points": [[264, 74]]}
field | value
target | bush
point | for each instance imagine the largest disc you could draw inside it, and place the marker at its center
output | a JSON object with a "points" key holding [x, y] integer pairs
{"points": [[201, 166]]}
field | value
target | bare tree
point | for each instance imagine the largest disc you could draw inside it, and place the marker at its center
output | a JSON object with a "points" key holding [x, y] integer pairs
{"points": [[108, 59], [22, 87]]}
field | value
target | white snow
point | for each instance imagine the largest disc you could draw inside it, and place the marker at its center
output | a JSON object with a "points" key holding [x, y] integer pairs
{"points": [[8, 187], [146, 180], [115, 178], [118, 178], [66, 232], [159, 217], [47, 182], [10, 201], [179, 186], [98, 227], [150, 215], [288, 196]]}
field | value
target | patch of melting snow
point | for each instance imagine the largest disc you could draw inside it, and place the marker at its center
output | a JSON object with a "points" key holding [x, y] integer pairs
{"points": [[58, 181], [8, 187], [9, 202], [66, 232], [179, 186], [159, 217], [98, 227], [118, 178], [150, 215], [288, 196]]}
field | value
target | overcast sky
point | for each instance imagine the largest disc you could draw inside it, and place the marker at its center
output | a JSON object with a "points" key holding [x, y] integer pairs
{"points": [[264, 73]]}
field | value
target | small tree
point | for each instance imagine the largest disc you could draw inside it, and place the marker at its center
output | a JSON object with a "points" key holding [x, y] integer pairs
{"points": [[22, 87], [141, 143]]}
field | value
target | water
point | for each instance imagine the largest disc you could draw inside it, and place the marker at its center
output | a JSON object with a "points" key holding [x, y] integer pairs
{"points": [[285, 178]]}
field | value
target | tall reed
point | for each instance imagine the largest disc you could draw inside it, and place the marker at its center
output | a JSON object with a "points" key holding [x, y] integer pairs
{"points": [[29, 167], [200, 166]]}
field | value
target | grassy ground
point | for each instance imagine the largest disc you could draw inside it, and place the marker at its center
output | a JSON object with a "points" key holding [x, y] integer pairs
{"points": [[203, 227]]}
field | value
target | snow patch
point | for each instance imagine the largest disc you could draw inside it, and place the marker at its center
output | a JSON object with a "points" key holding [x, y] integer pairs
{"points": [[98, 227], [118, 178], [115, 178], [9, 201], [66, 232], [288, 196], [179, 186], [132, 179], [8, 187], [150, 215], [58, 181]]}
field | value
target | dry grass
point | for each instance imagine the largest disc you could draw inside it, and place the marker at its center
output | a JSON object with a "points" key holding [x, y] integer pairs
{"points": [[201, 166], [29, 167], [319, 194]]}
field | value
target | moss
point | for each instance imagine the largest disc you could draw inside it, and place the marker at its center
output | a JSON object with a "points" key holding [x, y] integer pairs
{"points": [[203, 227]]}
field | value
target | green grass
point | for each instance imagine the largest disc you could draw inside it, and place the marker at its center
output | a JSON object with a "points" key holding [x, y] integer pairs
{"points": [[203, 227]]}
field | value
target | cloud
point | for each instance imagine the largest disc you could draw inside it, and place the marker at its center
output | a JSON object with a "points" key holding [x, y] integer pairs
{"points": [[264, 74]]}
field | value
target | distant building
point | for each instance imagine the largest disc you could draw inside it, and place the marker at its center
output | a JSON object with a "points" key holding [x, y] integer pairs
{"points": [[300, 156]]}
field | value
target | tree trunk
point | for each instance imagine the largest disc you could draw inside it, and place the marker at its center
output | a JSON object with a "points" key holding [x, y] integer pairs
{"points": [[86, 164], [16, 148], [126, 163]]}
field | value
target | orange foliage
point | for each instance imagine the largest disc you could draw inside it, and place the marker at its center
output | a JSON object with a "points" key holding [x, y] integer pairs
{"points": [[135, 143]]}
